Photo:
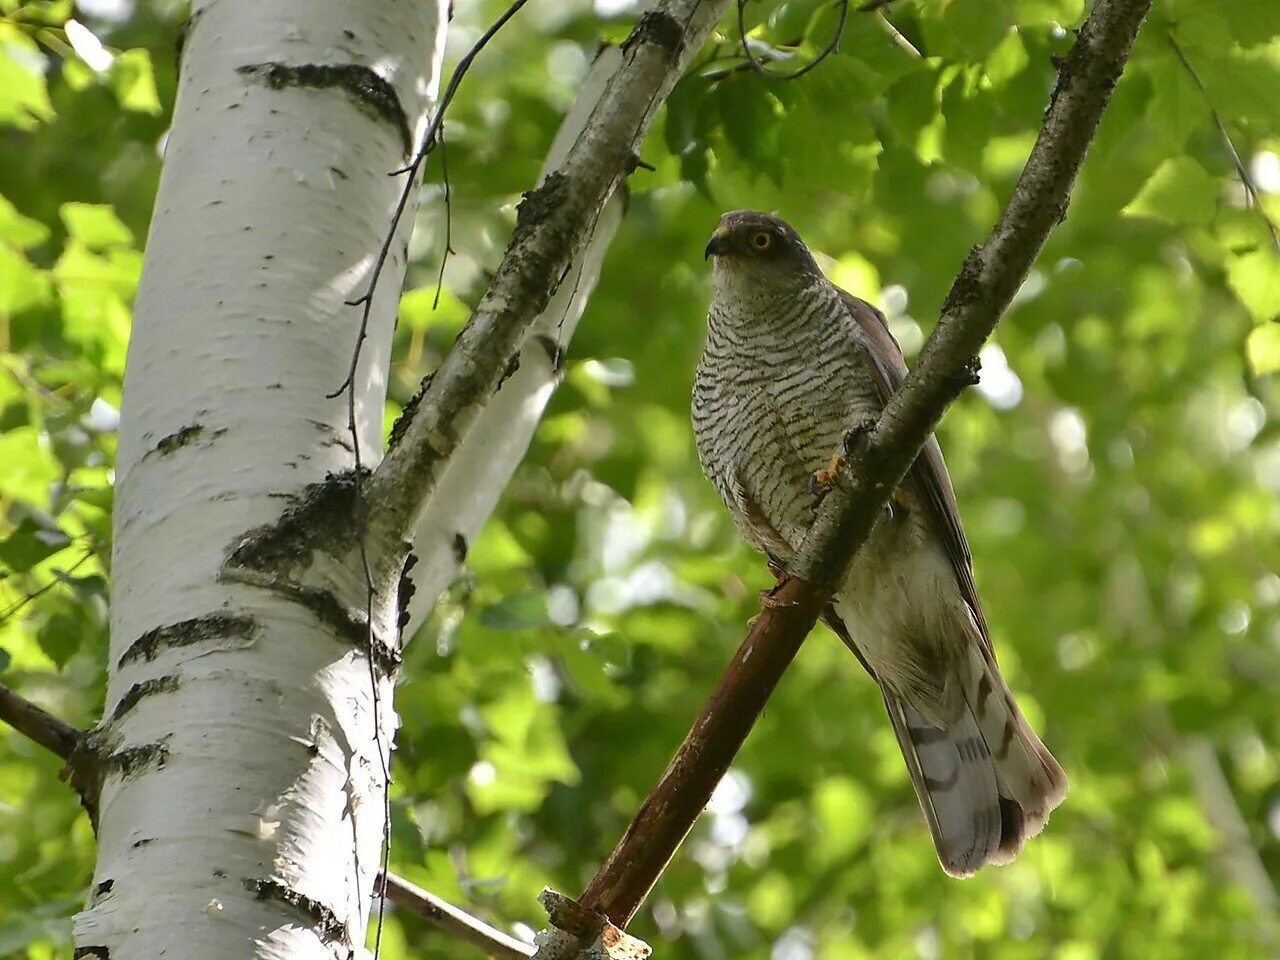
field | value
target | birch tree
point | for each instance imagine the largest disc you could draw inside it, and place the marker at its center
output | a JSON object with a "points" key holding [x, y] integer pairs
{"points": [[1112, 467], [243, 753]]}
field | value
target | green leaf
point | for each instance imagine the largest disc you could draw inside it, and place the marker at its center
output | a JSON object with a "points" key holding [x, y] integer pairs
{"points": [[1179, 192], [95, 225], [518, 612], [1177, 107], [1255, 279], [20, 231], [134, 82], [1263, 348], [1252, 22], [29, 543], [1062, 12], [22, 284], [1007, 60], [1242, 84], [24, 93], [60, 637]]}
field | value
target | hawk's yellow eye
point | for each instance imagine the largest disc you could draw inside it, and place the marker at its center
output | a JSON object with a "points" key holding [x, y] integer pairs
{"points": [[761, 240]]}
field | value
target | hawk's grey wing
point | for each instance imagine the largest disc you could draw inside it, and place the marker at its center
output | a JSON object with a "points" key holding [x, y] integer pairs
{"points": [[929, 473]]}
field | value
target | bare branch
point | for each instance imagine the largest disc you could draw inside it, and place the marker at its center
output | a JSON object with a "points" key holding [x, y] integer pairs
{"points": [[37, 724], [454, 920], [552, 227], [880, 459], [832, 46], [1242, 169]]}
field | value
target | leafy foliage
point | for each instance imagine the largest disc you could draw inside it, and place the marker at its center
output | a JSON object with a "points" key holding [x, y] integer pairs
{"points": [[1118, 469]]}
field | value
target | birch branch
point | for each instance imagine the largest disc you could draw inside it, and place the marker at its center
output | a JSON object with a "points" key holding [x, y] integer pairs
{"points": [[552, 227], [37, 724], [880, 459], [485, 460], [481, 467], [454, 920]]}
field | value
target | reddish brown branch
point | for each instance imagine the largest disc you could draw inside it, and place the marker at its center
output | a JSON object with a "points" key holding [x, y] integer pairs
{"points": [[979, 296]]}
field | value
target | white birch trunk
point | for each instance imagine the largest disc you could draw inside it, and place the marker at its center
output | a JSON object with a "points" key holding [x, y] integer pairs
{"points": [[241, 810]]}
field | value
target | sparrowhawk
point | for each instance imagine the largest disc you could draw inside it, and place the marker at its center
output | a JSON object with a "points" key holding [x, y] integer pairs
{"points": [[791, 363]]}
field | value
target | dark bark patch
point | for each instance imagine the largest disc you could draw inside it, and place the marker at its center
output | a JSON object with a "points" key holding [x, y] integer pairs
{"points": [[352, 628], [322, 917], [460, 547], [513, 364], [178, 439], [404, 594], [92, 953], [538, 205], [369, 91], [213, 626], [140, 690], [555, 356], [657, 27], [324, 514], [407, 412], [131, 761]]}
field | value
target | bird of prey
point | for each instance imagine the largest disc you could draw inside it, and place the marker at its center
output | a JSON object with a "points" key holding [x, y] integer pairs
{"points": [[791, 364]]}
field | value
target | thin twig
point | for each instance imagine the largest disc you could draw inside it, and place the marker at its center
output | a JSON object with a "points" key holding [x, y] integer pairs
{"points": [[429, 142], [59, 576], [1242, 169], [448, 218], [896, 35], [454, 920], [879, 460], [761, 69]]}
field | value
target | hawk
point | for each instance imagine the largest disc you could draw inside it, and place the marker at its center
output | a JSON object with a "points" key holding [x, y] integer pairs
{"points": [[791, 363]]}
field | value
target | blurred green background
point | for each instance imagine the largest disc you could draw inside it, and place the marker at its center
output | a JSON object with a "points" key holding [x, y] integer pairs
{"points": [[1118, 471]]}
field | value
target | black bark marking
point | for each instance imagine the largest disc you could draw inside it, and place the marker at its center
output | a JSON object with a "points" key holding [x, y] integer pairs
{"points": [[460, 548], [178, 439], [407, 412], [196, 630], [554, 354], [322, 917], [657, 27], [352, 628], [404, 594], [140, 690], [131, 761], [513, 364], [369, 91], [324, 514]]}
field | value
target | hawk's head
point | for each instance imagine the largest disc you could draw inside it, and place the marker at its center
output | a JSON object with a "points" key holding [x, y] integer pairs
{"points": [[759, 247]]}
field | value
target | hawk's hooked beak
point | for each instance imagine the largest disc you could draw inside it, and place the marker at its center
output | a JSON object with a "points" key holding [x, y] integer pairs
{"points": [[719, 243]]}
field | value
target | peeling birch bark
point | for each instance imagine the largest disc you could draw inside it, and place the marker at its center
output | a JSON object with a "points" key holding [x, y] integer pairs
{"points": [[240, 810]]}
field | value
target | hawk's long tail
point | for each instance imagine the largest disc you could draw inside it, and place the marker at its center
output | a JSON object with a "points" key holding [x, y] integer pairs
{"points": [[985, 781]]}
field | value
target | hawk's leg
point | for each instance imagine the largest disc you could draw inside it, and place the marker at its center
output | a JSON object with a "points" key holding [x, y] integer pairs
{"points": [[822, 480], [769, 597]]}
